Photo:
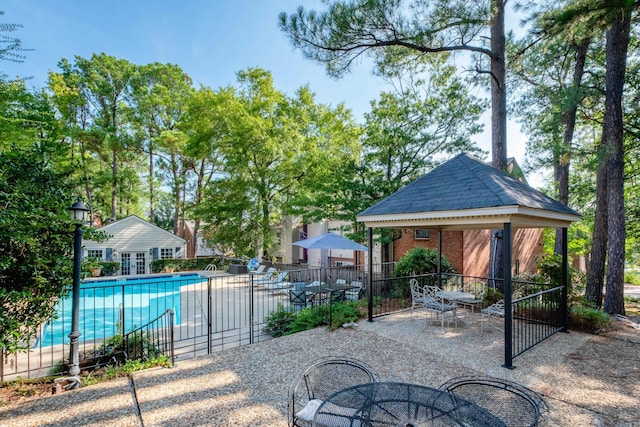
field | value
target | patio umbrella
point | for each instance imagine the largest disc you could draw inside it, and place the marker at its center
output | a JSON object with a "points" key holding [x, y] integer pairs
{"points": [[330, 241]]}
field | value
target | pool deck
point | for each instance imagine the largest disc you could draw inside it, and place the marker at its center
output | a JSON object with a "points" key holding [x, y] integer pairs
{"points": [[247, 386]]}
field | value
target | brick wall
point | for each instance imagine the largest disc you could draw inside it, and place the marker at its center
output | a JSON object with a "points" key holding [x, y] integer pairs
{"points": [[468, 251], [452, 247]]}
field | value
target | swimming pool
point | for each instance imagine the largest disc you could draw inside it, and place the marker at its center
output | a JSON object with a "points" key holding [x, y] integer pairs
{"points": [[103, 303]]}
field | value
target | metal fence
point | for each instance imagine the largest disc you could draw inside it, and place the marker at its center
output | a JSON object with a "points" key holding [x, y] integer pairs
{"points": [[538, 309], [152, 340], [211, 313], [222, 311]]}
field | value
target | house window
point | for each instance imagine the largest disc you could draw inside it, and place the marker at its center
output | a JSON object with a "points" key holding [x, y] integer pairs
{"points": [[421, 234], [94, 253], [166, 253]]}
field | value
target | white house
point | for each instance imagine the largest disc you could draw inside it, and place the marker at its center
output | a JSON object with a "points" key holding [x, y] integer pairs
{"points": [[134, 243]]}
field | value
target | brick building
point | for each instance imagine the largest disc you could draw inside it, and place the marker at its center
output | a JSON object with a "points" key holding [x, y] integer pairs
{"points": [[468, 250], [465, 200]]}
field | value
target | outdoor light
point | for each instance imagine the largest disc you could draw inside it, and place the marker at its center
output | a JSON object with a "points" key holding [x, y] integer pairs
{"points": [[78, 212], [79, 216]]}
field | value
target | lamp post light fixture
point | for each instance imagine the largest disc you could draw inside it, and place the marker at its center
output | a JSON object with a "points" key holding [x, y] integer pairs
{"points": [[79, 216]]}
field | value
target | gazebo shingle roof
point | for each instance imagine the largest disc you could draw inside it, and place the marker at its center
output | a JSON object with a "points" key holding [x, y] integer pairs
{"points": [[464, 183]]}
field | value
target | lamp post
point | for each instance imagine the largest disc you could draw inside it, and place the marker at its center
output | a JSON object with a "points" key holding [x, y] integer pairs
{"points": [[78, 215]]}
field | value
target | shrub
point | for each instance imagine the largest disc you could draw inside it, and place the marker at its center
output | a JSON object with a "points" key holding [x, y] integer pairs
{"points": [[109, 268], [416, 262], [419, 261], [285, 322], [588, 319], [491, 296]]}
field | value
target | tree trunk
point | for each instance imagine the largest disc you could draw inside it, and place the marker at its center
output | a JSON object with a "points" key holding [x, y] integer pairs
{"points": [[176, 194], [152, 200], [498, 88], [595, 272], [616, 53], [498, 114], [563, 159], [114, 186]]}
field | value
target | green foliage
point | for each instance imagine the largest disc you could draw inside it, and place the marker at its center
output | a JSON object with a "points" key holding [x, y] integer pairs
{"points": [[36, 237], [109, 268], [130, 366], [277, 323], [587, 318], [10, 47], [284, 322], [416, 262], [419, 261], [491, 296]]}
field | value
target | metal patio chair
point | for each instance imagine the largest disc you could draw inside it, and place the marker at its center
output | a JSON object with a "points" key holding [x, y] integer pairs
{"points": [[434, 302], [417, 295], [514, 404], [318, 381]]}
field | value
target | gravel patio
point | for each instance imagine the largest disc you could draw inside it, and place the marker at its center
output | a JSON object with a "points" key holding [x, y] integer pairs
{"points": [[587, 380]]}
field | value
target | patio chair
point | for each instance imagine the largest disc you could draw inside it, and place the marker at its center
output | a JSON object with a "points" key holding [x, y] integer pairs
{"points": [[258, 270], [277, 282], [494, 310], [298, 299], [433, 302], [318, 381], [417, 295], [514, 404], [265, 276], [473, 288]]}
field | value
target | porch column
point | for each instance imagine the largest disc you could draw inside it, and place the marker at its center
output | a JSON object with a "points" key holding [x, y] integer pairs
{"points": [[370, 274], [507, 245], [564, 303]]}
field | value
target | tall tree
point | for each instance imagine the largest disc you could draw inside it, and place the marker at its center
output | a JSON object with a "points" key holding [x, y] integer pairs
{"points": [[10, 47], [613, 137], [547, 71], [348, 30], [34, 242], [159, 95], [99, 87], [609, 228], [206, 131]]}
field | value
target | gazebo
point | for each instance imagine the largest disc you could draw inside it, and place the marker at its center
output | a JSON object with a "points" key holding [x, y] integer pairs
{"points": [[465, 193]]}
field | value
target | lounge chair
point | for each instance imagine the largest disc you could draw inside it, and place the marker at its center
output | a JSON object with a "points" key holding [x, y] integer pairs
{"points": [[258, 270], [265, 276], [277, 283]]}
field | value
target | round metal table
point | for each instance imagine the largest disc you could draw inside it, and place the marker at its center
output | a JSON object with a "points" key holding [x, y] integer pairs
{"points": [[399, 404]]}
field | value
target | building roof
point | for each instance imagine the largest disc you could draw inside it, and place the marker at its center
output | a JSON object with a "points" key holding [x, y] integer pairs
{"points": [[466, 193]]}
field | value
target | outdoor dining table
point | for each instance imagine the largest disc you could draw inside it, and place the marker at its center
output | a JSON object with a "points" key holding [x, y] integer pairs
{"points": [[465, 299], [456, 295], [400, 404]]}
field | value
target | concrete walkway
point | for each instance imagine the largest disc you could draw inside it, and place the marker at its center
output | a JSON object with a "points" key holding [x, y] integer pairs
{"points": [[586, 379]]}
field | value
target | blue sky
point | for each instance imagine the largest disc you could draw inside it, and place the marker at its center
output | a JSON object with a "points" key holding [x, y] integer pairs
{"points": [[210, 40]]}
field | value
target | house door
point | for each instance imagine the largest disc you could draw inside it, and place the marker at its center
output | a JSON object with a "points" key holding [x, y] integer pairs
{"points": [[133, 263]]}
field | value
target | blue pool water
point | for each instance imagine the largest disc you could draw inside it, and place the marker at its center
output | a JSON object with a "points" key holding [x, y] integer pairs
{"points": [[142, 300]]}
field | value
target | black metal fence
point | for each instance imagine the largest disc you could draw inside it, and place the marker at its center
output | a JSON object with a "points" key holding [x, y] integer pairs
{"points": [[152, 340], [538, 309], [222, 311]]}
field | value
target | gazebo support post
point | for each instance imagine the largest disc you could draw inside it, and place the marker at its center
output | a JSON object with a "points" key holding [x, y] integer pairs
{"points": [[564, 310], [508, 313], [440, 258], [370, 275]]}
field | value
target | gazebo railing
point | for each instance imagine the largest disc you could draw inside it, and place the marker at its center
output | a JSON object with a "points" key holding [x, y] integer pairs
{"points": [[539, 309]]}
